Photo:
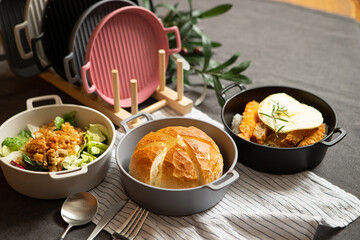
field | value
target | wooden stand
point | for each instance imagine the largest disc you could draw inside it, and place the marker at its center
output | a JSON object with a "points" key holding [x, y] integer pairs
{"points": [[165, 96]]}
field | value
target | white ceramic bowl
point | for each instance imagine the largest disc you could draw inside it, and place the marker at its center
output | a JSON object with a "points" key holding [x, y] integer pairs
{"points": [[55, 185]]}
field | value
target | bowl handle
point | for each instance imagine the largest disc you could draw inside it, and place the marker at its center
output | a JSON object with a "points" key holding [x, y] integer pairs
{"points": [[85, 80], [78, 171], [36, 54], [337, 139], [30, 101], [175, 30], [228, 180], [17, 29], [140, 114], [222, 92]]}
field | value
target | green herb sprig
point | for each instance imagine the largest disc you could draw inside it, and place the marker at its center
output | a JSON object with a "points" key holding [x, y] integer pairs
{"points": [[276, 113], [197, 47]]}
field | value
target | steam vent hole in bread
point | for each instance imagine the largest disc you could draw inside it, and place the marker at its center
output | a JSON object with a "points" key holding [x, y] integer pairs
{"points": [[176, 157]]}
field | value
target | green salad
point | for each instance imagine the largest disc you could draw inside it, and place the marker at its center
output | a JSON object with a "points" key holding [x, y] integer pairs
{"points": [[56, 146]]}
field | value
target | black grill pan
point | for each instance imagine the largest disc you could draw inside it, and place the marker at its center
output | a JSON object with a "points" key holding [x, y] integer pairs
{"points": [[59, 19], [81, 34]]}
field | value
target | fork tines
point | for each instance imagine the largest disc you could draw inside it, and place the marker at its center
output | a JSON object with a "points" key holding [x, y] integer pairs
{"points": [[131, 227]]}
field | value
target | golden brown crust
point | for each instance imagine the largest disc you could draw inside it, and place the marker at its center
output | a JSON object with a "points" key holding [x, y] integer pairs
{"points": [[293, 138], [315, 137], [250, 118], [176, 157]]}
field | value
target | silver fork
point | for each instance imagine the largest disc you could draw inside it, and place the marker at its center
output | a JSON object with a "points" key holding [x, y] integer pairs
{"points": [[131, 227]]}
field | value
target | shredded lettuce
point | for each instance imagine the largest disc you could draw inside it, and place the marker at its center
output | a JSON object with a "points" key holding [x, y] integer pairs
{"points": [[96, 133], [95, 144], [32, 129], [16, 143], [5, 150], [12, 156]]}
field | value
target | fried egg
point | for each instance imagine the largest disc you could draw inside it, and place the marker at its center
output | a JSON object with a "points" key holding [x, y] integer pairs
{"points": [[284, 114]]}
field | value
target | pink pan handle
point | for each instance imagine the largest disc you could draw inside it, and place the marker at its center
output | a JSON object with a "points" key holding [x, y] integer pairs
{"points": [[175, 30], [85, 81]]}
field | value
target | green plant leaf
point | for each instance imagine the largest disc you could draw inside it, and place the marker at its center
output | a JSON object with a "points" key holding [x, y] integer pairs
{"points": [[218, 87], [206, 44], [218, 10], [146, 4], [239, 78], [226, 64], [199, 44], [200, 99], [240, 68], [185, 29], [186, 65]]}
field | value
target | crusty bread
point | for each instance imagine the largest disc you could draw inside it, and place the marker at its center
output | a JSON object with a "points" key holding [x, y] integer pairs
{"points": [[176, 157]]}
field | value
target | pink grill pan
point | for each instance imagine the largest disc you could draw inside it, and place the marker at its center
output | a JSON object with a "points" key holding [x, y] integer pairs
{"points": [[127, 39]]}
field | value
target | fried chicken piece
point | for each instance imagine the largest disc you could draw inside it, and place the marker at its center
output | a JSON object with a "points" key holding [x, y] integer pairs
{"points": [[315, 137], [260, 133], [250, 118], [294, 137]]}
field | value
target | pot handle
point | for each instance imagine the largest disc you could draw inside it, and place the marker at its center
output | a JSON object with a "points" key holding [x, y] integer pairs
{"points": [[84, 78], [75, 172], [36, 54], [175, 30], [30, 101], [67, 61], [17, 29], [337, 139], [228, 87], [140, 114], [221, 184]]}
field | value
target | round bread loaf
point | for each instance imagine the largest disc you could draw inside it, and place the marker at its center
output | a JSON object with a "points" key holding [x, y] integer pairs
{"points": [[176, 157]]}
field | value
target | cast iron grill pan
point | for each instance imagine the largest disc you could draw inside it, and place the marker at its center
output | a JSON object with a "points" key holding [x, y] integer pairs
{"points": [[59, 19]]}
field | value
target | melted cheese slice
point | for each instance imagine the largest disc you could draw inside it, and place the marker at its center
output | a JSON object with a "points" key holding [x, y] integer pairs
{"points": [[284, 114]]}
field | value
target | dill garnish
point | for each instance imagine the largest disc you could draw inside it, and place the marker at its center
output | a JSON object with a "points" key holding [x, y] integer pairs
{"points": [[276, 115]]}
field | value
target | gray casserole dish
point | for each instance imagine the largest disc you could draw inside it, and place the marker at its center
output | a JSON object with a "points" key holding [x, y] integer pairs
{"points": [[175, 202], [55, 185]]}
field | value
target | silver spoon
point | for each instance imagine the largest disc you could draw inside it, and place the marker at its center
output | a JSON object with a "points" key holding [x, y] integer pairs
{"points": [[78, 209]]}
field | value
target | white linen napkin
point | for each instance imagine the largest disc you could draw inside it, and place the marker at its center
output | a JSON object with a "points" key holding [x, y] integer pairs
{"points": [[256, 206]]}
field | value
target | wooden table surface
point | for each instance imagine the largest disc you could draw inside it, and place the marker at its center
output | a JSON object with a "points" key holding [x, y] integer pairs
{"points": [[349, 8]]}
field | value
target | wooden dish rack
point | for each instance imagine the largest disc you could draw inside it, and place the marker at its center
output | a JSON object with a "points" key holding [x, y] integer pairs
{"points": [[163, 95]]}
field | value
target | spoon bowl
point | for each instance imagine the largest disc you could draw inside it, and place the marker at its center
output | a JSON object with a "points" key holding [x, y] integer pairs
{"points": [[78, 209]]}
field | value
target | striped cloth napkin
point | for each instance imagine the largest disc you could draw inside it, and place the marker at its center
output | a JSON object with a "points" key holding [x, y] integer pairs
{"points": [[257, 206]]}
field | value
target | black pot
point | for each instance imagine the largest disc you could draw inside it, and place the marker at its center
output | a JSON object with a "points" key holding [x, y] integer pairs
{"points": [[58, 20], [272, 159]]}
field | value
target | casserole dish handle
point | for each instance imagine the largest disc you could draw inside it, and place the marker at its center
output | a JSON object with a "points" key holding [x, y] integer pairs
{"points": [[140, 114], [30, 102], [85, 81], [175, 30], [217, 185], [222, 92], [337, 139], [17, 29], [71, 173], [69, 58], [37, 57]]}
